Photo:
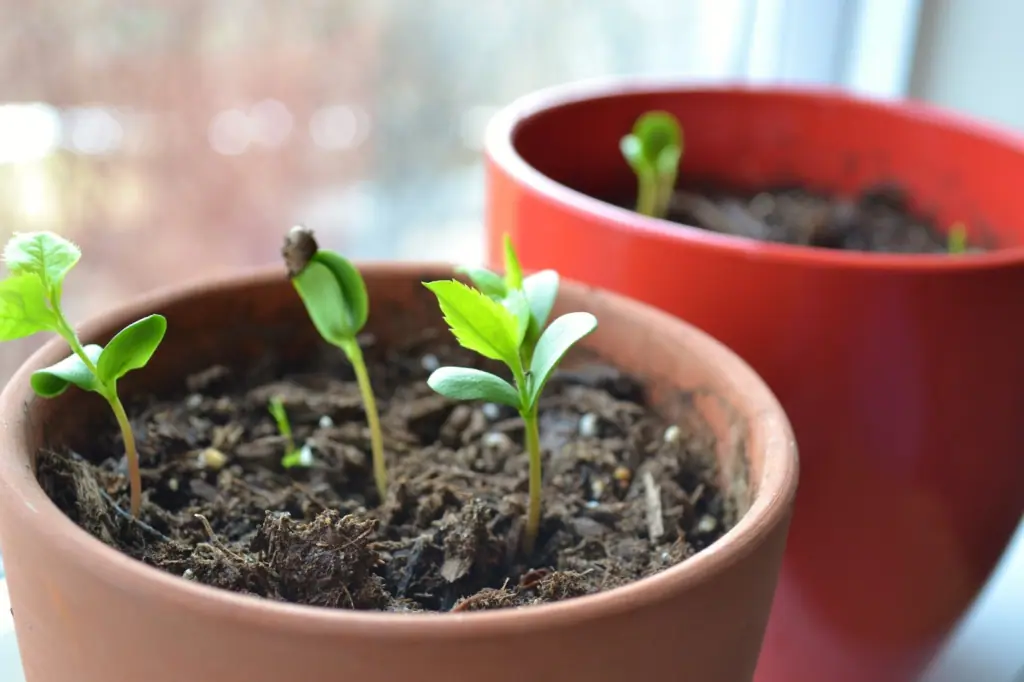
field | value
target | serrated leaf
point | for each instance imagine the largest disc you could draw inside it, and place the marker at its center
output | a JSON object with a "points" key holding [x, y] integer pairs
{"points": [[541, 289], [44, 254], [478, 323], [491, 283], [23, 309], [513, 271], [463, 383], [131, 348], [55, 379], [351, 286], [552, 346]]}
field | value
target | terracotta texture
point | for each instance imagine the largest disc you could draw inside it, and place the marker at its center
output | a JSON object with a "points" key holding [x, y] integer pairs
{"points": [[87, 613], [903, 376]]}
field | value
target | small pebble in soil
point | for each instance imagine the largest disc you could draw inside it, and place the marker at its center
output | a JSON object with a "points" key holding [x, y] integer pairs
{"points": [[430, 362], [194, 401], [707, 524], [306, 456], [588, 425], [212, 459], [497, 440], [671, 435], [491, 411], [326, 422]]}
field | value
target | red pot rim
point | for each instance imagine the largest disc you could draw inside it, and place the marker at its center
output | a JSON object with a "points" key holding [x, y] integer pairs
{"points": [[500, 148], [25, 499]]}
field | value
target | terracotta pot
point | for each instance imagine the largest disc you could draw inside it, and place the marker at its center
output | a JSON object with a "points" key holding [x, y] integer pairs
{"points": [[85, 612], [903, 375]]}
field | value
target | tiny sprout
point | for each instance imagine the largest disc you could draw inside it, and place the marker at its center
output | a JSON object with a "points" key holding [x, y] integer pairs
{"points": [[335, 297], [496, 324], [30, 302], [653, 150], [293, 456], [956, 240]]}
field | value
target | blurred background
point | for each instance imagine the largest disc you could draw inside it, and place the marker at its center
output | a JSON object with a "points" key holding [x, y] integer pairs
{"points": [[175, 138]]}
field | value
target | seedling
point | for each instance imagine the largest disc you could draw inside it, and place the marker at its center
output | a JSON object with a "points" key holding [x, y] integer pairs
{"points": [[293, 456], [335, 297], [30, 302], [956, 240], [540, 290], [653, 150], [498, 329]]}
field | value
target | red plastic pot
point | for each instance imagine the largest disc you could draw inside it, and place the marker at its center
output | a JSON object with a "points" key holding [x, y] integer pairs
{"points": [[903, 375]]}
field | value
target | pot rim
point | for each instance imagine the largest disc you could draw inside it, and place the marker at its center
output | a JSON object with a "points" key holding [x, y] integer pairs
{"points": [[500, 149], [23, 498]]}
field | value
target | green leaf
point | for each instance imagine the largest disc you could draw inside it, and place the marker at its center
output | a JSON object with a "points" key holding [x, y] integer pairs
{"points": [[541, 290], [513, 271], [335, 296], [463, 383], [486, 281], [56, 379], [656, 131], [517, 304], [552, 346], [44, 254], [479, 323], [131, 348], [23, 309], [351, 286], [320, 293], [633, 151]]}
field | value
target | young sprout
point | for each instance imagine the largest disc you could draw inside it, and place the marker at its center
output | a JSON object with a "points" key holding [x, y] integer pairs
{"points": [[335, 297], [497, 328], [956, 240], [293, 456], [540, 290], [653, 149], [30, 302]]}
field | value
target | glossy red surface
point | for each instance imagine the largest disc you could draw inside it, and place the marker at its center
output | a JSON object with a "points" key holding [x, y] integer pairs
{"points": [[903, 375]]}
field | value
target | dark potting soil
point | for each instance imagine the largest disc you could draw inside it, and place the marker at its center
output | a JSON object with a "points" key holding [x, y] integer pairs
{"points": [[625, 494], [879, 219]]}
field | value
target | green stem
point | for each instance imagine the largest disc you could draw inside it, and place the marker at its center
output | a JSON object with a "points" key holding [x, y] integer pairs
{"points": [[134, 475], [647, 194], [110, 394], [533, 448], [380, 472]]}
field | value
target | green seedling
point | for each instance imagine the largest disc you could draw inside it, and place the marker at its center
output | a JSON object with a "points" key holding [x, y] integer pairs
{"points": [[293, 456], [335, 297], [30, 302], [540, 290], [497, 329], [956, 240], [653, 150]]}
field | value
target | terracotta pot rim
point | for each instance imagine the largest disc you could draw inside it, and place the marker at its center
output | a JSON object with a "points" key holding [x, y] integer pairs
{"points": [[500, 149], [27, 501]]}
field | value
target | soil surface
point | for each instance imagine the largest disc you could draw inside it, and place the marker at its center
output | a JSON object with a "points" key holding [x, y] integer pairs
{"points": [[878, 220], [625, 494]]}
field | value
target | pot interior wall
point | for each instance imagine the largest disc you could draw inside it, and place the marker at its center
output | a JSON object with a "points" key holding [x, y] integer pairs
{"points": [[750, 141]]}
